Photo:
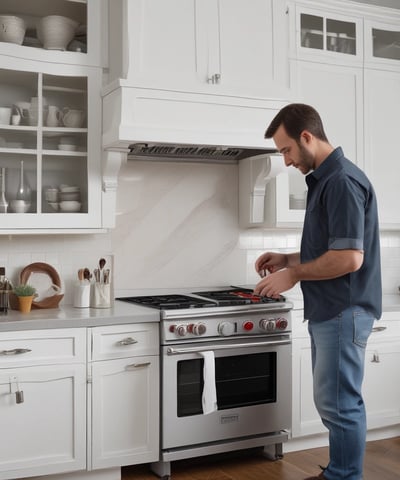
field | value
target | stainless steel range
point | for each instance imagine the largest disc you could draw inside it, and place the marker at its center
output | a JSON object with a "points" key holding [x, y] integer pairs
{"points": [[226, 373]]}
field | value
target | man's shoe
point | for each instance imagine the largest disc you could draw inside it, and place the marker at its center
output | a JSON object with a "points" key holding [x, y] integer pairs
{"points": [[320, 477]]}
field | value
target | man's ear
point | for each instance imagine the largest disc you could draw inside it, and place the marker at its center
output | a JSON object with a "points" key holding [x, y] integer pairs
{"points": [[306, 136]]}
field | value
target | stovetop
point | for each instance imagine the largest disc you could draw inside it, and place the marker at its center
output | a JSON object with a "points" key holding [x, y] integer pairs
{"points": [[229, 297]]}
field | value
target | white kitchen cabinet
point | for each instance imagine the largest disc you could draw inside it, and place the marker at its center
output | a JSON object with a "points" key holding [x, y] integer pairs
{"points": [[382, 93], [381, 371], [39, 146], [325, 32], [44, 427], [381, 365], [337, 93], [382, 43], [89, 46], [124, 372], [220, 47]]}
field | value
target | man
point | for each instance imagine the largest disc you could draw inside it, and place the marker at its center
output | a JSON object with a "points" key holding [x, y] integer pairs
{"points": [[339, 269]]}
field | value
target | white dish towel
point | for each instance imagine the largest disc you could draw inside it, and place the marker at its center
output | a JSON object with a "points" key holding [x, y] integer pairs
{"points": [[209, 398]]}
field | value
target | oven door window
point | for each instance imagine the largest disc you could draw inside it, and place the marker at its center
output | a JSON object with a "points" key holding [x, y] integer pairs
{"points": [[241, 381]]}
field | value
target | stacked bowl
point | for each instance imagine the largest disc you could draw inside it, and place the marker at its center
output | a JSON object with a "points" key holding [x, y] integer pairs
{"points": [[12, 29], [55, 32]]}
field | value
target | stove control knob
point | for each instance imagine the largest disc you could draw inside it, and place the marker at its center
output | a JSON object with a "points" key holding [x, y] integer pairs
{"points": [[267, 324], [248, 326], [281, 323], [180, 330], [226, 328], [199, 329]]}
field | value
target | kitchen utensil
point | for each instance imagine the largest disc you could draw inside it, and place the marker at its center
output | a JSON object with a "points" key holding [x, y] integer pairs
{"points": [[24, 190], [70, 206], [72, 118], [12, 29], [86, 274], [20, 206], [55, 31], [3, 201], [53, 116], [5, 115], [102, 263]]}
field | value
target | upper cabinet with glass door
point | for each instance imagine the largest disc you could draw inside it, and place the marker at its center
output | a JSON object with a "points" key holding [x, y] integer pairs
{"points": [[59, 31], [49, 159], [382, 43], [328, 35]]}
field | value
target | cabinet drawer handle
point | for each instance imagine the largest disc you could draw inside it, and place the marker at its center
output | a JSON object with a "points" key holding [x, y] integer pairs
{"points": [[15, 351], [127, 341], [137, 365], [379, 329]]}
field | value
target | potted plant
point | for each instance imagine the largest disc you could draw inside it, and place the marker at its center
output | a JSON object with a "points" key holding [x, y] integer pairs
{"points": [[25, 294]]}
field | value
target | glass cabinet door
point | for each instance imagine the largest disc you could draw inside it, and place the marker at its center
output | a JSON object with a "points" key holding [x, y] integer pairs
{"points": [[44, 164], [328, 34]]}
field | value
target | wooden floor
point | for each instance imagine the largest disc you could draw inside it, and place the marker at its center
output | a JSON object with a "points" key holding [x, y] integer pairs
{"points": [[382, 462]]}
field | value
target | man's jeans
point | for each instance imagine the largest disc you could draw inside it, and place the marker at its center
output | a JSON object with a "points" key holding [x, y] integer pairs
{"points": [[338, 355]]}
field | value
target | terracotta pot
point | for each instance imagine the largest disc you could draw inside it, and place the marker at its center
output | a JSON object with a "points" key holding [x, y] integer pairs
{"points": [[25, 303]]}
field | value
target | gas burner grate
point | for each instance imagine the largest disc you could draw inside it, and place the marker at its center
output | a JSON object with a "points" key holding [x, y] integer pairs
{"points": [[238, 296], [169, 302]]}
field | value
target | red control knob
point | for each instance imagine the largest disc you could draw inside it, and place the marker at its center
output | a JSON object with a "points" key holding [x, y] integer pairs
{"points": [[199, 329], [281, 323], [248, 326]]}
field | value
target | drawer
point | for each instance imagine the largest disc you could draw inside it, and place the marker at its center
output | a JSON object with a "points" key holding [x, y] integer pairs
{"points": [[42, 347], [120, 341]]}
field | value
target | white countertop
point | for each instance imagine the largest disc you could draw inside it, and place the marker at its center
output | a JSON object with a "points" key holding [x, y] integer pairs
{"points": [[69, 316]]}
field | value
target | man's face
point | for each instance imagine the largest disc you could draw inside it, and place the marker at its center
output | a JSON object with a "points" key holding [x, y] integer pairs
{"points": [[295, 153]]}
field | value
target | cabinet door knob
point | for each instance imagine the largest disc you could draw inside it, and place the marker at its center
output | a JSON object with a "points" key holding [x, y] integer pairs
{"points": [[214, 79], [127, 341], [375, 358]]}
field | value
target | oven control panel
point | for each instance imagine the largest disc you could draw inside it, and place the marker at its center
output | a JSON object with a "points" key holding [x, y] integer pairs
{"points": [[227, 327]]}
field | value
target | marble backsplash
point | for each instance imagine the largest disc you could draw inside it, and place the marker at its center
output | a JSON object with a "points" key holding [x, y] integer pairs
{"points": [[177, 227]]}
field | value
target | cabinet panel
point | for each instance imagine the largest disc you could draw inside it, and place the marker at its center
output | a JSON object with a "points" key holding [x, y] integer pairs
{"points": [[381, 371], [382, 91], [45, 433], [214, 46], [39, 347], [337, 93], [125, 341], [130, 387]]}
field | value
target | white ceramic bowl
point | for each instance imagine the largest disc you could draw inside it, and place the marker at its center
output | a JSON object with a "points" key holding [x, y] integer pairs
{"points": [[69, 188], [12, 29], [70, 206], [55, 32], [68, 196], [67, 148], [20, 206]]}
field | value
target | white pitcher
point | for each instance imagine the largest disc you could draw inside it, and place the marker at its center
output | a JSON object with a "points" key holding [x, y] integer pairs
{"points": [[54, 116], [72, 118]]}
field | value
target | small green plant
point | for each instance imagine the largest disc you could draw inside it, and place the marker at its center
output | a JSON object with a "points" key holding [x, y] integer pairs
{"points": [[24, 290]]}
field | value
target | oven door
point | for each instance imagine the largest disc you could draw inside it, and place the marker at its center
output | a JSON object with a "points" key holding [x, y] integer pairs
{"points": [[253, 386]]}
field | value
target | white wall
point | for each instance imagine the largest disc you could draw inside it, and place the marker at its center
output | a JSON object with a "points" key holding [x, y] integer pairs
{"points": [[176, 227]]}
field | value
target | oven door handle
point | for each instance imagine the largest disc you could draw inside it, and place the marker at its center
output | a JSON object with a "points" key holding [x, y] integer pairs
{"points": [[178, 351]]}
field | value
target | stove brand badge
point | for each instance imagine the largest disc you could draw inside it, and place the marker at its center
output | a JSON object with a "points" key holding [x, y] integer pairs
{"points": [[228, 419]]}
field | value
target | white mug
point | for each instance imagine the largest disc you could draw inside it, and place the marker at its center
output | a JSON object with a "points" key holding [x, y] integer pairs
{"points": [[16, 119], [5, 115]]}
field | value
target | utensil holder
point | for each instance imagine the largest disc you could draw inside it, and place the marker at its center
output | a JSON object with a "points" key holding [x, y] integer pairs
{"points": [[82, 295], [101, 295]]}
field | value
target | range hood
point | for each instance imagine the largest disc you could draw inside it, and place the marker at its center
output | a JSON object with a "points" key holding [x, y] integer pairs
{"points": [[193, 153], [153, 124]]}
